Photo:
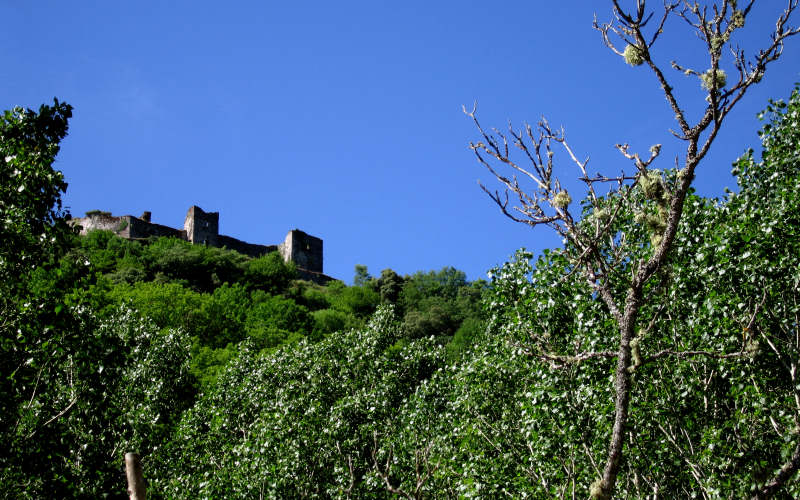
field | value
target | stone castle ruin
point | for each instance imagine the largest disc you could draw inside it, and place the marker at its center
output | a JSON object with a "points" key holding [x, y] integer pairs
{"points": [[202, 228]]}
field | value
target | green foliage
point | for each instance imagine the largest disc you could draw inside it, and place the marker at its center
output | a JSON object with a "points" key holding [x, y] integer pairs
{"points": [[37, 329], [106, 340], [276, 320], [109, 253], [118, 387], [510, 421], [168, 305], [330, 320], [154, 383], [200, 267], [129, 271], [457, 390], [30, 189], [433, 316], [208, 362], [436, 303], [170, 271], [226, 310], [359, 301], [362, 276], [311, 295], [302, 421], [467, 334], [445, 283], [389, 286], [270, 273]]}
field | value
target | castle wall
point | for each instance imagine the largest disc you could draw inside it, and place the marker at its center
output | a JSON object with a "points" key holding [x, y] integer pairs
{"points": [[202, 227], [251, 249], [318, 278], [100, 222], [138, 228]]}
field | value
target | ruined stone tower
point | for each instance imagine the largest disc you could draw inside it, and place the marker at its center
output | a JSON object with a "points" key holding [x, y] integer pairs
{"points": [[201, 227], [302, 249]]}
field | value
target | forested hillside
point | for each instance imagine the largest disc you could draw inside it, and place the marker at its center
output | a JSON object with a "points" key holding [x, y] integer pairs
{"points": [[235, 380], [654, 354], [109, 343], [224, 300]]}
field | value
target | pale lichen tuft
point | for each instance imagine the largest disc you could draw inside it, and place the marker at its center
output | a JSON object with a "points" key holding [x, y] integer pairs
{"points": [[716, 43], [711, 79], [602, 214], [737, 19], [652, 185], [597, 490], [562, 200], [633, 55]]}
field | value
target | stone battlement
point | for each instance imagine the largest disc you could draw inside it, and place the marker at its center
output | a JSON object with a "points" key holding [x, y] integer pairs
{"points": [[202, 228]]}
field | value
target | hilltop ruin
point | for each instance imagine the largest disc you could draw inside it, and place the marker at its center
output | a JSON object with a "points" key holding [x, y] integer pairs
{"points": [[202, 228]]}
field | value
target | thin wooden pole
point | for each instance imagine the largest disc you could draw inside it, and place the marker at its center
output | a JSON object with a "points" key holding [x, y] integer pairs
{"points": [[133, 469]]}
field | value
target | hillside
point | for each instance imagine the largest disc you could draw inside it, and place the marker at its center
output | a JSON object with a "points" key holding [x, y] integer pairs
{"points": [[234, 379]]}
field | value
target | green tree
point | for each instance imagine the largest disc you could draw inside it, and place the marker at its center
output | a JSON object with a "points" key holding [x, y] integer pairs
{"points": [[71, 394], [389, 286], [168, 305], [433, 316], [32, 235], [304, 420], [108, 253], [445, 283], [270, 273], [627, 281], [362, 276], [360, 301], [30, 189], [434, 303], [330, 320], [198, 267], [276, 320], [526, 413]]}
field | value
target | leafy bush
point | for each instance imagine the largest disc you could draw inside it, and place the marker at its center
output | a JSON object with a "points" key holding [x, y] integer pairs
{"points": [[202, 268], [269, 273], [360, 301], [304, 420], [330, 320], [276, 320]]}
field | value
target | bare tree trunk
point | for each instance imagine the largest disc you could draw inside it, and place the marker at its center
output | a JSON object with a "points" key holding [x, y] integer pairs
{"points": [[133, 470], [622, 402]]}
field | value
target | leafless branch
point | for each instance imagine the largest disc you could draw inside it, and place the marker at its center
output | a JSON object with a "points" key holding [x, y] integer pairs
{"points": [[560, 361], [693, 468], [54, 417]]}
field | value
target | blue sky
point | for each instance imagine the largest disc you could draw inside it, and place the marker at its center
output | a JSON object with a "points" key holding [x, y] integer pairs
{"points": [[344, 118]]}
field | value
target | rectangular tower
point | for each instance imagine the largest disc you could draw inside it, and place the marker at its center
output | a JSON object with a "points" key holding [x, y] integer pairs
{"points": [[202, 228], [302, 249]]}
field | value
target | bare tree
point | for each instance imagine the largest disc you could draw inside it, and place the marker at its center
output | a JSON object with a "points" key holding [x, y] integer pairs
{"points": [[541, 199]]}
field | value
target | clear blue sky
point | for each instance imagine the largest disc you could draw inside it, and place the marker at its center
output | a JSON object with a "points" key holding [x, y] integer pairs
{"points": [[344, 118]]}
